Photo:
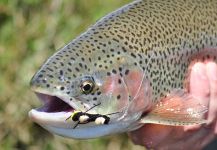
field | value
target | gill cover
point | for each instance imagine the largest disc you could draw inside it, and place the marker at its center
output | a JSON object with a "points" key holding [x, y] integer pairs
{"points": [[126, 90]]}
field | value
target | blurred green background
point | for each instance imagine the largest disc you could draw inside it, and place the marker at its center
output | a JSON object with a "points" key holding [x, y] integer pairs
{"points": [[30, 31]]}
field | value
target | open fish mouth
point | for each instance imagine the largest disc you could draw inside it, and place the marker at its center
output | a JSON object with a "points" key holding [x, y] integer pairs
{"points": [[54, 111], [53, 104]]}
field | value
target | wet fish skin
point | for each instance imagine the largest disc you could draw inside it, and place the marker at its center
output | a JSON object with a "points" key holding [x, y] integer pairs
{"points": [[157, 38], [156, 30]]}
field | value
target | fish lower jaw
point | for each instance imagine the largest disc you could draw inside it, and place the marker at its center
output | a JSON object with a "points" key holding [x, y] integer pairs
{"points": [[52, 118], [54, 114], [87, 131], [56, 123]]}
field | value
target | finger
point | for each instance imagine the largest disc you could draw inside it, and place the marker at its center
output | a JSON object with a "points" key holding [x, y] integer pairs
{"points": [[187, 140], [199, 87], [211, 69], [215, 127], [199, 83], [200, 139], [207, 139], [150, 135]]}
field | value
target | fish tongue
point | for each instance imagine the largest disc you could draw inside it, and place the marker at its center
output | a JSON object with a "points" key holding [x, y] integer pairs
{"points": [[177, 109]]}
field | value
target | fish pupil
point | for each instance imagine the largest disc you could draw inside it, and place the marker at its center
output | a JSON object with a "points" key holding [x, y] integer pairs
{"points": [[87, 87]]}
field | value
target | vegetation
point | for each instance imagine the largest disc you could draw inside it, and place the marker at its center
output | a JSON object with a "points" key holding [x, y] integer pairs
{"points": [[30, 31]]}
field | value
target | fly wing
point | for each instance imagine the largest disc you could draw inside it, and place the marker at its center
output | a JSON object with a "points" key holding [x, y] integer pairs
{"points": [[178, 108]]}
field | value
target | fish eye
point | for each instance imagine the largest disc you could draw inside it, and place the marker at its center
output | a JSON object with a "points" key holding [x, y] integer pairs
{"points": [[87, 86]]}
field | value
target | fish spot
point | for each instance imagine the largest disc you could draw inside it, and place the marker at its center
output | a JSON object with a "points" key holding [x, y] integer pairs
{"points": [[132, 54], [69, 63], [114, 71], [51, 76], [40, 76], [70, 70], [80, 64], [127, 72], [119, 81], [77, 69], [108, 73], [61, 72], [62, 64], [99, 93], [72, 58], [50, 69], [112, 50]]}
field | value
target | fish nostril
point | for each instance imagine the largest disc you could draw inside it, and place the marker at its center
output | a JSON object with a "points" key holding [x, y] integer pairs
{"points": [[37, 81]]}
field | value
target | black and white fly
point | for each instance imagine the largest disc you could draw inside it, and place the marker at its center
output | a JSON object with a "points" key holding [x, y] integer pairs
{"points": [[84, 117]]}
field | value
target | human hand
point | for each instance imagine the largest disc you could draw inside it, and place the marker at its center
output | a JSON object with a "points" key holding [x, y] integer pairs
{"points": [[203, 85]]}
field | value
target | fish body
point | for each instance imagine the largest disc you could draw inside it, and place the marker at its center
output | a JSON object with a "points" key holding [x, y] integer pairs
{"points": [[134, 60]]}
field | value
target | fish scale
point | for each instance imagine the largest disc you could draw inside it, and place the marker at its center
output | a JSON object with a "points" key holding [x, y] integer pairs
{"points": [[161, 38]]}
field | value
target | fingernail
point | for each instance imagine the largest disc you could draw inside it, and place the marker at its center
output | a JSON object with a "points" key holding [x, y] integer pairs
{"points": [[199, 69], [216, 128], [210, 121], [212, 68], [209, 125], [191, 128]]}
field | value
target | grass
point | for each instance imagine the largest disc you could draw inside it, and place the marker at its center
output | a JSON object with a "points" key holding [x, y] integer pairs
{"points": [[30, 31]]}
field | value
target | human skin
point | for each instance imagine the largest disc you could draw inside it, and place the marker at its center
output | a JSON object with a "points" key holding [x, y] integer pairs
{"points": [[203, 86]]}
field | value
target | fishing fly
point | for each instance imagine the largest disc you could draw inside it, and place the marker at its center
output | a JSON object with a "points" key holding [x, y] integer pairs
{"points": [[84, 117]]}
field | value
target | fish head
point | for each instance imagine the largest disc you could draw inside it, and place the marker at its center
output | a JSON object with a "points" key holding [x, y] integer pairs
{"points": [[94, 79]]}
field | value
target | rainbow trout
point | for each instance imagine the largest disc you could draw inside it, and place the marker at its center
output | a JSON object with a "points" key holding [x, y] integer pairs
{"points": [[128, 69]]}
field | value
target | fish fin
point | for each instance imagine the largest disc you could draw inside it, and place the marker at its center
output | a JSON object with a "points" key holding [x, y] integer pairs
{"points": [[178, 108]]}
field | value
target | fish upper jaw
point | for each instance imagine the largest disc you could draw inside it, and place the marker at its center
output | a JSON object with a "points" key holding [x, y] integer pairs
{"points": [[49, 92], [94, 131]]}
